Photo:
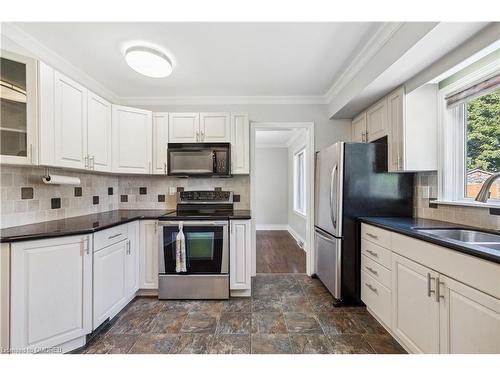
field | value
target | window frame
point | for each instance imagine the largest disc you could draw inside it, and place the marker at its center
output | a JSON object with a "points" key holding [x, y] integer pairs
{"points": [[296, 209], [452, 159]]}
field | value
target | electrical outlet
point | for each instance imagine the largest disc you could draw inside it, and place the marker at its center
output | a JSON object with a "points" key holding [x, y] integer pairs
{"points": [[172, 190], [426, 191]]}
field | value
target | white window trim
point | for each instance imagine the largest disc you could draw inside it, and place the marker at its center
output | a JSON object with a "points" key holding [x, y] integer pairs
{"points": [[301, 150], [451, 154]]}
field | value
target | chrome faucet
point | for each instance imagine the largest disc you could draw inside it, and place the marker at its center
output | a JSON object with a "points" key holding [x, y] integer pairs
{"points": [[484, 193]]}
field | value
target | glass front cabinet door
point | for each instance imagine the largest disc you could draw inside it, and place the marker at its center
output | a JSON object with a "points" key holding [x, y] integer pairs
{"points": [[18, 109]]}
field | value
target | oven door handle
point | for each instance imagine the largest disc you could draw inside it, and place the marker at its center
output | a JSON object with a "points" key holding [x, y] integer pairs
{"points": [[188, 223]]}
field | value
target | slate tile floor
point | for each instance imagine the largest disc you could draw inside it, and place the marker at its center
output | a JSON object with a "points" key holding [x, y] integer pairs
{"points": [[287, 314]]}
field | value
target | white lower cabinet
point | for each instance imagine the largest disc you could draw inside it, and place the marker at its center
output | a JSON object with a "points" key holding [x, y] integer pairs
{"points": [[240, 255], [442, 301], [4, 295], [469, 319], [415, 312], [132, 261], [51, 293], [110, 275], [148, 254]]}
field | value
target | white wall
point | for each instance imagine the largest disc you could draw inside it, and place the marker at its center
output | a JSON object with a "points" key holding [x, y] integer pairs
{"points": [[297, 222], [271, 185]]}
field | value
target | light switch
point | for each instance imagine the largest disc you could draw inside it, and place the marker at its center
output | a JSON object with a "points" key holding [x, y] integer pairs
{"points": [[172, 190]]}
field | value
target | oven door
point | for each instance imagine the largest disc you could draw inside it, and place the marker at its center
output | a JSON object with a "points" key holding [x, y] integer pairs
{"points": [[207, 247]]}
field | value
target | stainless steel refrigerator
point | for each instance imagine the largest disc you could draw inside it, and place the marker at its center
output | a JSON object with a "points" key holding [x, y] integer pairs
{"points": [[351, 181]]}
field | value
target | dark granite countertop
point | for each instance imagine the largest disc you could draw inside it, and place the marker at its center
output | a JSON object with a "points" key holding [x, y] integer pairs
{"points": [[408, 225], [76, 225], [96, 222]]}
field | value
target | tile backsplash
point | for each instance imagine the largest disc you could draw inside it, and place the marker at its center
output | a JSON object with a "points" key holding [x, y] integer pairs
{"points": [[423, 207], [26, 199]]}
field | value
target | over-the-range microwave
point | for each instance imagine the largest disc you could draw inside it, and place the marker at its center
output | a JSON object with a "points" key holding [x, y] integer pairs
{"points": [[199, 159]]}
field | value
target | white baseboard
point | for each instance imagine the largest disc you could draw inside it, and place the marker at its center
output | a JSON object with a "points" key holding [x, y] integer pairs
{"points": [[297, 238], [271, 227]]}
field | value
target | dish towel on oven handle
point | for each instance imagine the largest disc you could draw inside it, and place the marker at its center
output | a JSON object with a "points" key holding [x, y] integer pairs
{"points": [[180, 250]]}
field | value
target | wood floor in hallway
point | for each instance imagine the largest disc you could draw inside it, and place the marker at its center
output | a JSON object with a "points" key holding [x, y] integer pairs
{"points": [[278, 252]]}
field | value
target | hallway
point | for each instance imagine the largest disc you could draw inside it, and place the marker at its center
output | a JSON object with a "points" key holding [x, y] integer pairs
{"points": [[278, 252]]}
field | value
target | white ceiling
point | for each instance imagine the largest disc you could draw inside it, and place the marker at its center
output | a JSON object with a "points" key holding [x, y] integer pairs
{"points": [[277, 138], [212, 59]]}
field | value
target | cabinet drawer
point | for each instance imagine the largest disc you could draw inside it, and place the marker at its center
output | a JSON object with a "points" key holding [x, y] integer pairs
{"points": [[377, 253], [375, 270], [376, 235], [110, 236], [376, 297]]}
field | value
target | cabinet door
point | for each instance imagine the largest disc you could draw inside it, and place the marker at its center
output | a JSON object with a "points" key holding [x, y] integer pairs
{"points": [[132, 262], [395, 112], [4, 294], [51, 291], [240, 255], [184, 127], [132, 132], [160, 142], [109, 281], [415, 315], [376, 120], [215, 127], [359, 128], [148, 254], [469, 319], [240, 143], [70, 122], [18, 108], [98, 133]]}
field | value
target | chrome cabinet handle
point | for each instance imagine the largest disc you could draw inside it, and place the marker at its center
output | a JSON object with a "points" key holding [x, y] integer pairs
{"points": [[366, 136], [363, 137], [371, 270], [372, 236], [429, 290], [197, 136], [202, 136], [165, 168], [438, 289], [114, 236], [86, 159], [374, 290], [372, 253], [128, 247], [91, 162]]}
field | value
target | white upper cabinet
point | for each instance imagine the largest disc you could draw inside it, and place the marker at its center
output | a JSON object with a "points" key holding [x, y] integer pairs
{"points": [[70, 122], [412, 119], [184, 128], [98, 133], [132, 132], [359, 128], [240, 143], [18, 106], [160, 142], [376, 120], [51, 292], [215, 127]]}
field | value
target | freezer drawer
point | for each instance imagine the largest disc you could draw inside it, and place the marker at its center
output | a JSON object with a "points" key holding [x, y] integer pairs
{"points": [[329, 251]]}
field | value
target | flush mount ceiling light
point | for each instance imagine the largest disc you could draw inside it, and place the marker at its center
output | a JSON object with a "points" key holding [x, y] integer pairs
{"points": [[148, 61]]}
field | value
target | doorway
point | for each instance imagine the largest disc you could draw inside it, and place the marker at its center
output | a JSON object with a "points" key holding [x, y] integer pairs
{"points": [[282, 183]]}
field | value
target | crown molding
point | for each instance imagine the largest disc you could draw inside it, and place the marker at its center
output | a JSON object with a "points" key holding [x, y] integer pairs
{"points": [[367, 52], [42, 52], [221, 100]]}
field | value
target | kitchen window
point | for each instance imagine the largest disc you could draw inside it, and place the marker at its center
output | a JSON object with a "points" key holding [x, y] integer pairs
{"points": [[299, 182], [470, 136]]}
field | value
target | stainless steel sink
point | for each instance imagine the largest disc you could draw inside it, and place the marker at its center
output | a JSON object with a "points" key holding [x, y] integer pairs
{"points": [[490, 245], [463, 235]]}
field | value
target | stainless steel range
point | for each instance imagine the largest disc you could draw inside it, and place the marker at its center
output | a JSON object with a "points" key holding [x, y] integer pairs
{"points": [[205, 221]]}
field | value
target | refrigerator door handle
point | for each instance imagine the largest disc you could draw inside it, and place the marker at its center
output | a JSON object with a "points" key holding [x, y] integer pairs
{"points": [[332, 198]]}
